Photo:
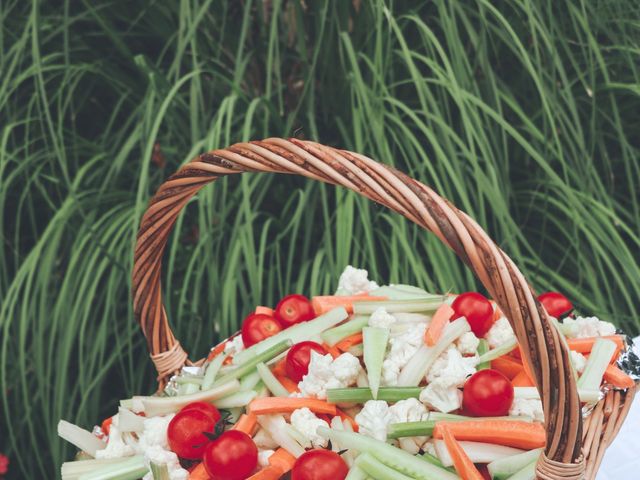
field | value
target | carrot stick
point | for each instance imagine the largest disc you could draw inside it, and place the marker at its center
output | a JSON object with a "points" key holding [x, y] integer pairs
{"points": [[507, 366], [264, 310], [512, 433], [335, 353], [584, 345], [199, 473], [267, 473], [439, 320], [288, 384], [280, 368], [618, 378], [461, 461], [282, 460], [217, 350], [322, 304], [348, 418], [522, 380], [267, 405], [246, 423], [346, 343]]}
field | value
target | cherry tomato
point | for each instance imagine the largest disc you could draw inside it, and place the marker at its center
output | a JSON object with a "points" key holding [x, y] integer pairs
{"points": [[556, 304], [487, 393], [299, 357], [257, 326], [476, 309], [185, 433], [231, 456], [294, 309], [106, 425], [205, 408], [319, 465]]}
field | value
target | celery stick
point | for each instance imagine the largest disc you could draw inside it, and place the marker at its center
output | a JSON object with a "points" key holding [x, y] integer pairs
{"points": [[129, 421], [153, 406], [423, 305], [356, 473], [401, 292], [410, 318], [361, 395], [377, 469], [433, 460], [527, 473], [418, 365], [389, 455], [159, 472], [275, 427], [74, 470], [586, 394], [498, 352], [334, 335], [483, 347], [248, 366], [504, 468], [478, 452], [249, 381], [297, 435], [189, 379], [374, 340], [298, 333], [270, 380], [212, 371], [598, 362], [238, 399], [188, 388], [411, 429], [80, 438], [130, 469]]}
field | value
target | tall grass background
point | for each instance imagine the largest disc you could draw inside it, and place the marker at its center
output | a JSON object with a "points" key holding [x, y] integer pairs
{"points": [[525, 114]]}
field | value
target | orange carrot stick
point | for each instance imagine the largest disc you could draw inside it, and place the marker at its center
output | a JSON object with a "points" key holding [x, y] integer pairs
{"points": [[346, 343], [246, 423], [512, 433], [288, 384], [282, 460], [584, 345], [267, 473], [264, 310], [522, 380], [348, 418], [439, 320], [618, 378], [335, 353], [280, 368], [507, 366], [322, 304], [216, 351], [461, 461], [199, 473], [267, 405]]}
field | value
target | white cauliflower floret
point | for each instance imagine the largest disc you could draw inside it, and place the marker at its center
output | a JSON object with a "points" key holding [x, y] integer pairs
{"points": [[410, 410], [467, 343], [579, 361], [430, 448], [354, 281], [234, 345], [451, 368], [374, 419], [154, 433], [583, 327], [116, 447], [307, 424], [264, 456], [325, 372], [262, 439], [500, 333], [401, 349], [381, 318], [529, 407], [442, 397], [160, 456]]}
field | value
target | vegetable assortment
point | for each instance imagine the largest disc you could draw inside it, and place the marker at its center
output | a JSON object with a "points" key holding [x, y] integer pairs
{"points": [[386, 382]]}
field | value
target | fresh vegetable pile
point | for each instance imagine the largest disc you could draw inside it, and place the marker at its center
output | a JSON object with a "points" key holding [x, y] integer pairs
{"points": [[375, 382]]}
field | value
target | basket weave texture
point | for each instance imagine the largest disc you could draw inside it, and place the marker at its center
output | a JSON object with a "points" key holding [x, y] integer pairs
{"points": [[575, 447]]}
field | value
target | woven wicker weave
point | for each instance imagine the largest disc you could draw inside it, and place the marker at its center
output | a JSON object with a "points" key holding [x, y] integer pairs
{"points": [[574, 447]]}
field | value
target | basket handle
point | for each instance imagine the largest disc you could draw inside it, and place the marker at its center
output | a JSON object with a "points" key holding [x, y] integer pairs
{"points": [[387, 186]]}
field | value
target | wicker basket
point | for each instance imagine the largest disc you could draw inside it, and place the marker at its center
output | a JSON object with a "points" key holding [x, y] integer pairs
{"points": [[575, 446]]}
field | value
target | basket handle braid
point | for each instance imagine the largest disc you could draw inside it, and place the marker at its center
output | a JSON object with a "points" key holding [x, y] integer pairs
{"points": [[389, 187]]}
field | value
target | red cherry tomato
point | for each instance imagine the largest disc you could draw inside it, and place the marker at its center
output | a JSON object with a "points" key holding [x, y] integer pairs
{"points": [[294, 309], [556, 304], [319, 465], [231, 456], [299, 357], [205, 408], [185, 433], [257, 326], [476, 309], [487, 393]]}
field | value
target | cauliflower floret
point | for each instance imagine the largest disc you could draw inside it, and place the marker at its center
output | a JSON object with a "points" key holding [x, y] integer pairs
{"points": [[467, 343], [529, 407], [451, 368], [263, 440], [154, 433], [116, 447], [430, 448], [583, 327], [160, 456], [410, 410], [442, 397], [373, 419], [401, 349], [381, 318], [307, 424], [354, 281], [579, 361], [500, 333], [234, 345], [325, 372], [264, 456]]}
